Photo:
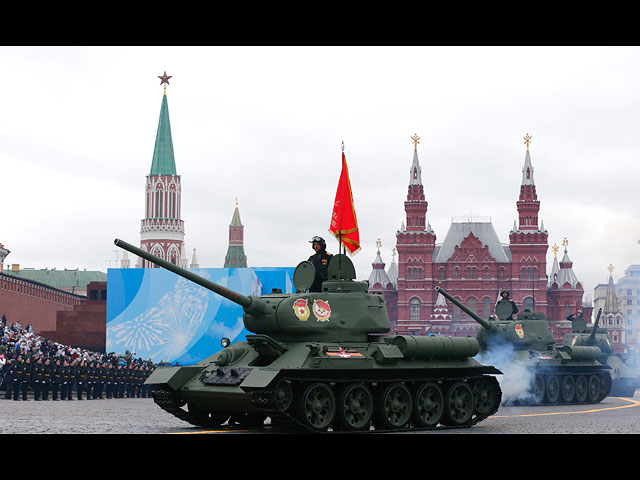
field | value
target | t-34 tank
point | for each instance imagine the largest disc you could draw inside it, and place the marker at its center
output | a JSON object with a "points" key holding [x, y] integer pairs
{"points": [[321, 360], [555, 374], [625, 377]]}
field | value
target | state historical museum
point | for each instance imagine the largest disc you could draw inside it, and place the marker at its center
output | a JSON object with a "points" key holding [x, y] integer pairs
{"points": [[473, 265]]}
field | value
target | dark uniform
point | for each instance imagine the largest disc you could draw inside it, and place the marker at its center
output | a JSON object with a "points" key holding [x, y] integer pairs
{"points": [[19, 379], [37, 372], [47, 372], [67, 385], [9, 372], [506, 298], [320, 261], [101, 374], [117, 382], [81, 378], [108, 388], [56, 379]]}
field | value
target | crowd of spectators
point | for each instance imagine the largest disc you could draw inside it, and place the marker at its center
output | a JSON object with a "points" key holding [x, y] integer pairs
{"points": [[31, 365]]}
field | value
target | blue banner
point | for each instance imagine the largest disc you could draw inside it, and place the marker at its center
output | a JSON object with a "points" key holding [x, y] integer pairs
{"points": [[158, 315]]}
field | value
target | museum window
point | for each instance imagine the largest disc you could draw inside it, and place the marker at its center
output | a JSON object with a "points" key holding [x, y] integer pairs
{"points": [[414, 305], [486, 307]]}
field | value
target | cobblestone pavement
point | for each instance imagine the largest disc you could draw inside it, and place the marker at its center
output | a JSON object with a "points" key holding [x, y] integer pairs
{"points": [[143, 416], [122, 415]]}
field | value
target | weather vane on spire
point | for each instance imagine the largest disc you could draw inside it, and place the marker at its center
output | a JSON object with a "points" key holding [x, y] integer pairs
{"points": [[555, 249], [527, 140], [165, 80], [610, 268], [415, 139]]}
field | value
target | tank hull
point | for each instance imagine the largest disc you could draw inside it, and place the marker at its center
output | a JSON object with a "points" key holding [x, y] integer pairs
{"points": [[329, 387], [552, 377]]}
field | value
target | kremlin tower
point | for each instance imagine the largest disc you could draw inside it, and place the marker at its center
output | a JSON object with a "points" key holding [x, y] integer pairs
{"points": [[236, 258], [162, 230]]}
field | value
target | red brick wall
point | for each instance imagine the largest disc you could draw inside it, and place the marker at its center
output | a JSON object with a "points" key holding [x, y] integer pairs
{"points": [[29, 302], [86, 325]]}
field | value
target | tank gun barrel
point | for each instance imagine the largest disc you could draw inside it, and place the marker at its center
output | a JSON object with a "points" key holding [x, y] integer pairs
{"points": [[595, 327], [473, 315], [248, 303]]}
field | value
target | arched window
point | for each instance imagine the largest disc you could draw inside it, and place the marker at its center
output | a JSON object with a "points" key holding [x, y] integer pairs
{"points": [[472, 305], [414, 306], [529, 304], [486, 307]]}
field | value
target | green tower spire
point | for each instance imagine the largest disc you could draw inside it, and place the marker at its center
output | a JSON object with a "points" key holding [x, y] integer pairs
{"points": [[163, 161], [236, 258]]}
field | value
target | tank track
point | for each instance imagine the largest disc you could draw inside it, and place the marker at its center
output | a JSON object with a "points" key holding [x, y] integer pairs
{"points": [[264, 401], [548, 398]]}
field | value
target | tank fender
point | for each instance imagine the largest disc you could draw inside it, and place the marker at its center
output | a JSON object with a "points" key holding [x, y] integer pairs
{"points": [[175, 376]]}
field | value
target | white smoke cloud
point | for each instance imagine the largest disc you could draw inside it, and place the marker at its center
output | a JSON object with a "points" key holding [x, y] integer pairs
{"points": [[517, 376]]}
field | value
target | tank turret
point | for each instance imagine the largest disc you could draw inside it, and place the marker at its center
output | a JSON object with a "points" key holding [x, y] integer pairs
{"points": [[322, 361], [530, 330], [597, 337], [571, 373]]}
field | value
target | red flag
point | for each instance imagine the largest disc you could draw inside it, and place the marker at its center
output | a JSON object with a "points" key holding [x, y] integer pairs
{"points": [[344, 224]]}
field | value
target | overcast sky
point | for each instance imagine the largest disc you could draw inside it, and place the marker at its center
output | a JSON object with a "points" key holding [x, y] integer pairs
{"points": [[264, 125]]}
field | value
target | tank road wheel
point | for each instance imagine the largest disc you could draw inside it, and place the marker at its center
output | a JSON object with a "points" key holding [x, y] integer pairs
{"points": [[283, 395], [568, 389], [485, 395], [205, 418], [318, 406], [429, 405], [582, 389], [605, 385], [594, 388], [537, 390], [355, 407], [459, 405], [393, 406], [553, 389]]}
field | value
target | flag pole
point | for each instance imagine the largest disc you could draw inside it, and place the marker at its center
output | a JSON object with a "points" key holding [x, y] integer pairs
{"points": [[340, 226]]}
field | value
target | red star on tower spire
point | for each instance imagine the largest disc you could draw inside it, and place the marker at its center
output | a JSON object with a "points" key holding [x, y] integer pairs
{"points": [[165, 79]]}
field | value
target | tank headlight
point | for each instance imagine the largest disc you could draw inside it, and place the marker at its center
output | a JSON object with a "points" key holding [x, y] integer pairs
{"points": [[225, 342]]}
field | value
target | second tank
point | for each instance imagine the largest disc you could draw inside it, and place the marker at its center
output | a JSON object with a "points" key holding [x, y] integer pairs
{"points": [[541, 372]]}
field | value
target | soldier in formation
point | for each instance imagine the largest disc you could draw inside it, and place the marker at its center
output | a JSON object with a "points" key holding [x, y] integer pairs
{"points": [[30, 364]]}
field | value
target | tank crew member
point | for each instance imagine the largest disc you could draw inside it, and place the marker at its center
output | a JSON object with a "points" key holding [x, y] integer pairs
{"points": [[575, 315], [504, 296], [320, 261]]}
